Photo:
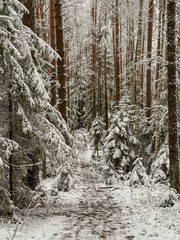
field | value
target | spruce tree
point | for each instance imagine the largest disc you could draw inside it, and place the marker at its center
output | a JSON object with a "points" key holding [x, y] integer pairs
{"points": [[37, 130], [120, 142], [97, 135]]}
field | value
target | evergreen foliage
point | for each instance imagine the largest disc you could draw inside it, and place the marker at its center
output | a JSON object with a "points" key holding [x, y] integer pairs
{"points": [[120, 142], [39, 132], [160, 167], [109, 60], [138, 175], [97, 136]]}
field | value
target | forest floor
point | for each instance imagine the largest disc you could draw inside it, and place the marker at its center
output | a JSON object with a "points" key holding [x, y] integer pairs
{"points": [[92, 210]]}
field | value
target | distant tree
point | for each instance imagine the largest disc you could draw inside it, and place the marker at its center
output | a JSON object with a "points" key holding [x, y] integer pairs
{"points": [[97, 135], [117, 53], [105, 82], [137, 73], [149, 54], [94, 22], [160, 69]]}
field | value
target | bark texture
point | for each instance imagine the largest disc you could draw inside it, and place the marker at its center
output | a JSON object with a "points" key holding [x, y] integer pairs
{"points": [[11, 158], [138, 74], [159, 69], [60, 62], [105, 83], [99, 72], [117, 60], [149, 53], [172, 108], [29, 18], [53, 45], [94, 18]]}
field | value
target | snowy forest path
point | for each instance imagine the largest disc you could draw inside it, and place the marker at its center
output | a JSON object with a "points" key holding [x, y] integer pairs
{"points": [[98, 213], [89, 211]]}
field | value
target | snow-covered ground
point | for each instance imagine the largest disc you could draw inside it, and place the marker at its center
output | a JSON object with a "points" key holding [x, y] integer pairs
{"points": [[94, 211]]}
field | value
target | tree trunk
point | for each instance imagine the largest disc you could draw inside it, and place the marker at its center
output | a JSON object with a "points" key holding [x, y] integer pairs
{"points": [[149, 53], [142, 73], [94, 17], [60, 63], [53, 45], [159, 84], [105, 82], [127, 57], [158, 112], [172, 109], [37, 17], [114, 57], [117, 69], [42, 21], [11, 158], [67, 62], [120, 55], [99, 71], [132, 60], [138, 73], [29, 19], [158, 46]]}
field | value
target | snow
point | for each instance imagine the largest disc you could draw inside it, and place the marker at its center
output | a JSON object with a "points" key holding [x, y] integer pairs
{"points": [[8, 145], [92, 210], [160, 167], [146, 218], [117, 153], [1, 4], [1, 162]]}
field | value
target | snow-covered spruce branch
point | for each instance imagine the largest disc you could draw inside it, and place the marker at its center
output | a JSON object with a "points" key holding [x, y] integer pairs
{"points": [[9, 146], [52, 134]]}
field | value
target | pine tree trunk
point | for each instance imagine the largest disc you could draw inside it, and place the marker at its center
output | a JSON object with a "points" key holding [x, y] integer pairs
{"points": [[138, 74], [142, 73], [53, 45], [117, 69], [127, 56], [29, 21], [29, 18], [172, 108], [67, 79], [43, 34], [37, 17], [94, 13], [120, 54], [158, 112], [11, 158], [105, 82], [149, 53], [158, 45], [132, 60], [158, 85], [99, 72], [60, 63], [114, 57], [42, 21]]}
